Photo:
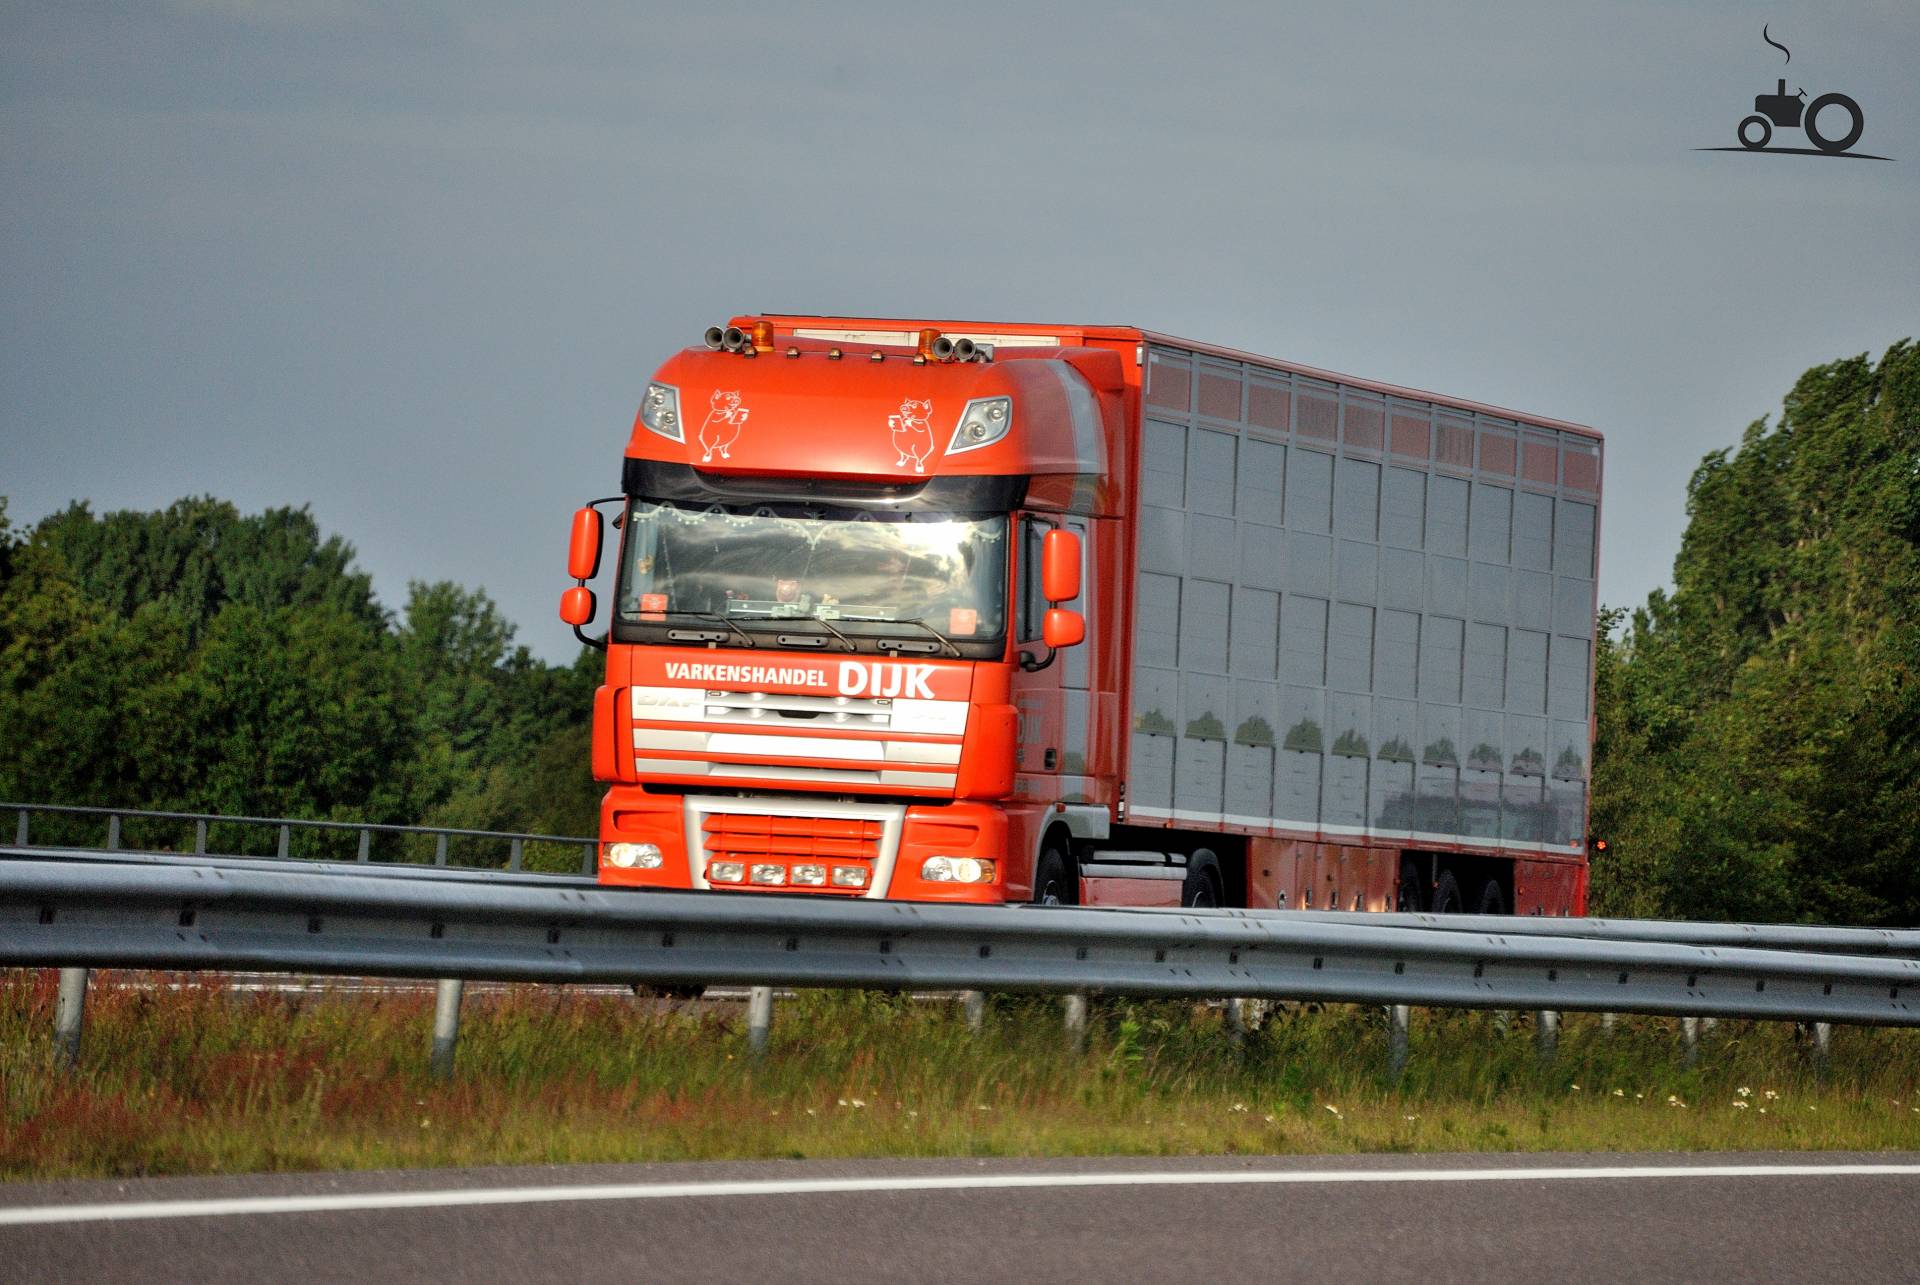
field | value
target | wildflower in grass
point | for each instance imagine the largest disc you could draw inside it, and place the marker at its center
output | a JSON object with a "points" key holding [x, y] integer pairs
{"points": [[811, 1111], [844, 1102], [1574, 1087], [859, 1104], [1673, 1100], [913, 1115], [1621, 1093], [1410, 1118], [1241, 1107], [1763, 1110], [1269, 1119], [1638, 1096], [1336, 1111], [1743, 1091], [984, 1107], [1739, 1104], [1770, 1095]]}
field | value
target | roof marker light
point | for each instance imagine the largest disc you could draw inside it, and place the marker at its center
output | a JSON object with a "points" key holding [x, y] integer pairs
{"points": [[762, 335]]}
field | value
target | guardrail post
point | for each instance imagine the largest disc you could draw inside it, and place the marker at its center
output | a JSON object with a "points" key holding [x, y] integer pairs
{"points": [[1690, 1038], [69, 1017], [366, 846], [286, 840], [1606, 1022], [439, 849], [200, 838], [1822, 1045], [759, 1018], [516, 850], [974, 1005], [20, 830], [113, 833], [1074, 1009], [586, 859], [1546, 1035], [446, 1026], [1399, 1018]]}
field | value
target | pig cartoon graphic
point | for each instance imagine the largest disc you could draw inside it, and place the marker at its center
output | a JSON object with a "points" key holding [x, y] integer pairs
{"points": [[912, 434], [723, 424]]}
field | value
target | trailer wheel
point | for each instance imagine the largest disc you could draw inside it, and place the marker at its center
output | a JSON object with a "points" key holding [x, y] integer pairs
{"points": [[1203, 881], [1053, 881], [1406, 894], [1446, 895], [1491, 900]]}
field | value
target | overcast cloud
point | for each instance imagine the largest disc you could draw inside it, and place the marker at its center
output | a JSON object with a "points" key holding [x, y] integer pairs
{"points": [[413, 264]]}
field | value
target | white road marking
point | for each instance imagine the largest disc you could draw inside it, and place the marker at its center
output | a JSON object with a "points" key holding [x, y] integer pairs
{"points": [[376, 1200]]}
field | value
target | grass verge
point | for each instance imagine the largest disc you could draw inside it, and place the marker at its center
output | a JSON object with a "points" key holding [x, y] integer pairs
{"points": [[196, 1078]]}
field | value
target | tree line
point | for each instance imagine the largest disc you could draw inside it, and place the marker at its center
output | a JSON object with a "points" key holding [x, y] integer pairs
{"points": [[1758, 726], [200, 659]]}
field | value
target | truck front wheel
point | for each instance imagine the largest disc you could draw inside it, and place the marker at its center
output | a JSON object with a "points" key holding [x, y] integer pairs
{"points": [[1203, 881], [1053, 881]]}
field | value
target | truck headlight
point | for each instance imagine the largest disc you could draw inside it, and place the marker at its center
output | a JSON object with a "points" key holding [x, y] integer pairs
{"points": [[813, 876], [849, 876], [956, 870], [984, 422], [628, 856], [725, 872], [768, 873], [660, 411]]}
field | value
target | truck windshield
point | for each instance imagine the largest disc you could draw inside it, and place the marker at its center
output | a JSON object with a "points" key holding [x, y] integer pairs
{"points": [[848, 567]]}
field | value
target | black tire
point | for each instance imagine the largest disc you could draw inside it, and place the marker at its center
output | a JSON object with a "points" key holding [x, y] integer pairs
{"points": [[1053, 881], [1766, 133], [1812, 119], [1406, 894], [1202, 886], [1446, 895], [1491, 899]]}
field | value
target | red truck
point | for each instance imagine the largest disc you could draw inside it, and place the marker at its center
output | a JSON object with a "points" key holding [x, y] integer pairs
{"points": [[946, 611]]}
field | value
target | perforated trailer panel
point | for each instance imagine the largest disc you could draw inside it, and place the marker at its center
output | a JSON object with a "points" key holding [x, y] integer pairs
{"points": [[1359, 614]]}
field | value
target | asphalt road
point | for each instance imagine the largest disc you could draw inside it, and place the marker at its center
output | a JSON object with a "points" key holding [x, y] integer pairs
{"points": [[1426, 1218]]}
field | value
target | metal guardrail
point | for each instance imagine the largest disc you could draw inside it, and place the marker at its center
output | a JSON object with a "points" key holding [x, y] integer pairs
{"points": [[77, 908], [284, 829], [343, 919]]}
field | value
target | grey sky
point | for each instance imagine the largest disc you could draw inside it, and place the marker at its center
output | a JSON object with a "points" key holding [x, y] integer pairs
{"points": [[414, 264]]}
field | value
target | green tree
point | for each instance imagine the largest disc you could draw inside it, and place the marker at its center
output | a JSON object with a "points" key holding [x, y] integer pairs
{"points": [[1758, 752]]}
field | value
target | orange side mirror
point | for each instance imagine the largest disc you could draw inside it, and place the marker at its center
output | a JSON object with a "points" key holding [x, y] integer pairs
{"points": [[1063, 628], [1060, 566], [583, 550], [577, 605]]}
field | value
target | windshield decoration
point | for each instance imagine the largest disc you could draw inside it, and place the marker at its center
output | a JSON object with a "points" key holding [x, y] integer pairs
{"points": [[913, 433], [722, 426]]}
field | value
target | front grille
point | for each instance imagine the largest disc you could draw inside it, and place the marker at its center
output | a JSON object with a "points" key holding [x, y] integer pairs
{"points": [[786, 840], [767, 838]]}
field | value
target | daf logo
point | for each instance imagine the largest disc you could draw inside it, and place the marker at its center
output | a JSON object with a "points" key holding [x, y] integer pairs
{"points": [[858, 679]]}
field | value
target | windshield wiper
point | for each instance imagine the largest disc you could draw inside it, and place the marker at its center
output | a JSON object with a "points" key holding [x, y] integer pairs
{"points": [[944, 640], [845, 641], [714, 615]]}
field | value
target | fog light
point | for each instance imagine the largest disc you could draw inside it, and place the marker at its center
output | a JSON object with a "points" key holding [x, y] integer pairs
{"points": [[812, 876], [769, 873], [956, 870], [849, 876], [725, 872], [627, 856]]}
